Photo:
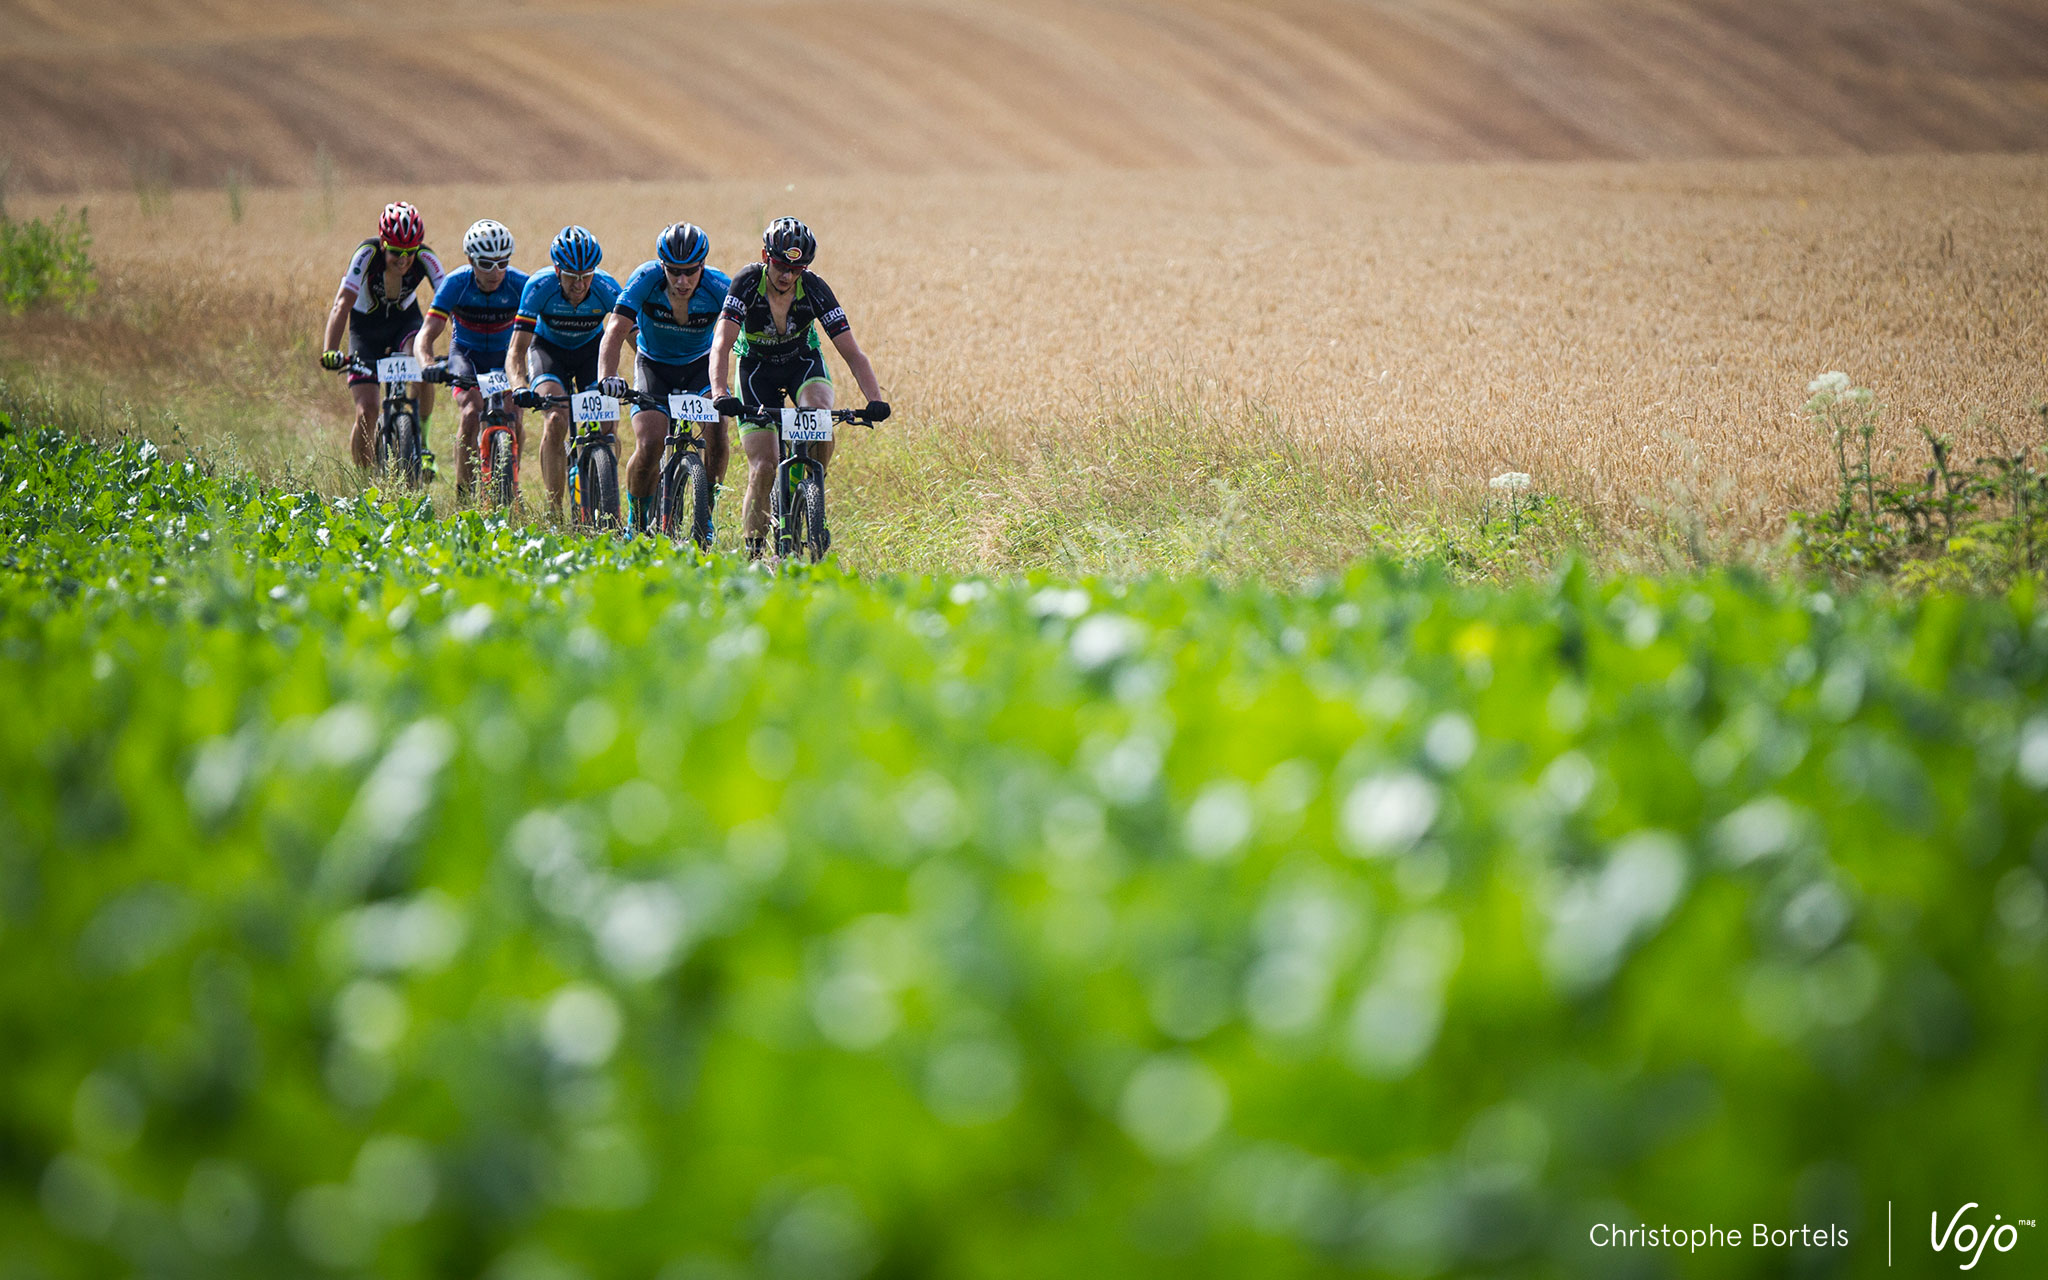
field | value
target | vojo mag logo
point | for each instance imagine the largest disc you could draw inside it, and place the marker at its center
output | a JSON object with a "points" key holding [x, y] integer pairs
{"points": [[1968, 1238]]}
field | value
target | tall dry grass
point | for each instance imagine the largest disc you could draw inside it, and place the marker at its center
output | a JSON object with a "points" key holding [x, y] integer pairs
{"points": [[1267, 371]]}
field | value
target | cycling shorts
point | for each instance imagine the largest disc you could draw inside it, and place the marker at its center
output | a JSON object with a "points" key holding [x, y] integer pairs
{"points": [[572, 368], [765, 384], [660, 379], [374, 335], [466, 363]]}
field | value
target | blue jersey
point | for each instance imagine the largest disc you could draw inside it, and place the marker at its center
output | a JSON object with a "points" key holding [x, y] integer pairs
{"points": [[483, 321], [544, 311], [664, 335]]}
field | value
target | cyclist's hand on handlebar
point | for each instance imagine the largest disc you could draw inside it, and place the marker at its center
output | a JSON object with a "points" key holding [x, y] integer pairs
{"points": [[616, 388], [877, 410], [728, 406], [332, 360], [435, 372], [526, 398]]}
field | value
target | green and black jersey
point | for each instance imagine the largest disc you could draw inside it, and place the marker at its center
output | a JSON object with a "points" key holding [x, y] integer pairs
{"points": [[746, 304]]}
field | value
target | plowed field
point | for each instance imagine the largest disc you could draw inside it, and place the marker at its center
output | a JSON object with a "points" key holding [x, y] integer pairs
{"points": [[102, 93]]}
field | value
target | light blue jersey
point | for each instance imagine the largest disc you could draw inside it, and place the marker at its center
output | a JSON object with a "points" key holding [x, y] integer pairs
{"points": [[545, 312], [664, 335]]}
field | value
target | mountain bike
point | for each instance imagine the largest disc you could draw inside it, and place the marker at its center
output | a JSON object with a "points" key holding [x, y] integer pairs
{"points": [[797, 502], [593, 459], [401, 447], [497, 443], [682, 496]]}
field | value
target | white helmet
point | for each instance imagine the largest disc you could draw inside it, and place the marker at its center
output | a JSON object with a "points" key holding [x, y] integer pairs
{"points": [[487, 239]]}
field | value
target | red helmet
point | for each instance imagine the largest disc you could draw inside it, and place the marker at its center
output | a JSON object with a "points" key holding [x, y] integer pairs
{"points": [[401, 226]]}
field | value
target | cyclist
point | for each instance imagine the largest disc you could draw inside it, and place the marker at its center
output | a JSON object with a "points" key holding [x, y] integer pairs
{"points": [[554, 342], [771, 318], [671, 304], [376, 304], [481, 300]]}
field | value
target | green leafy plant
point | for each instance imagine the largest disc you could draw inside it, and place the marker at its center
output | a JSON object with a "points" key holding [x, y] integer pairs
{"points": [[385, 895], [1979, 524], [46, 262]]}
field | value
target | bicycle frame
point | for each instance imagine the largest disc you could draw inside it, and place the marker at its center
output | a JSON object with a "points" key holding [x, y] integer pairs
{"points": [[683, 437], [793, 460], [585, 439], [594, 436], [396, 404], [497, 420]]}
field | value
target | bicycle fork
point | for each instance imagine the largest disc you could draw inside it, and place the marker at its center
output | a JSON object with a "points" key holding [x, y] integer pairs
{"points": [[580, 447], [789, 473], [503, 426]]}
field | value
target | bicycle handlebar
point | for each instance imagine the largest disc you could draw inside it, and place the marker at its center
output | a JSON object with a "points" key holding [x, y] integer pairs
{"points": [[765, 417], [773, 417]]}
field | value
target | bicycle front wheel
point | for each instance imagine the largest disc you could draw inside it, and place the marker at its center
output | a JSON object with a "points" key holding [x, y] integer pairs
{"points": [[600, 489], [810, 501], [504, 462], [698, 477], [405, 448]]}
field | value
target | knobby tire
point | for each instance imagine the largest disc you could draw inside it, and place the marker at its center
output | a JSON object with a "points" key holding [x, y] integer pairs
{"points": [[601, 487], [698, 478], [504, 481], [810, 502], [405, 448]]}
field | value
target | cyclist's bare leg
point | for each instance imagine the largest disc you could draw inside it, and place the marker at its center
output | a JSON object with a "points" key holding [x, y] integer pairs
{"points": [[471, 407], [554, 443], [761, 459], [362, 440], [650, 436]]}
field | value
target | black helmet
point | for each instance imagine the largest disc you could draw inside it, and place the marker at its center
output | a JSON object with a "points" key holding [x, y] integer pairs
{"points": [[682, 245], [788, 241]]}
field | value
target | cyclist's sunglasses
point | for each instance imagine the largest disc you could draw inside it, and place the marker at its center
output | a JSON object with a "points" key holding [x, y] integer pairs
{"points": [[401, 250], [575, 277], [674, 270], [493, 264]]}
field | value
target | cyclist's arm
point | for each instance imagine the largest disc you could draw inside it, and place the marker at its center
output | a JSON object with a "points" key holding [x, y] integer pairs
{"points": [[722, 338], [857, 364], [337, 319], [430, 333], [617, 328], [515, 357]]}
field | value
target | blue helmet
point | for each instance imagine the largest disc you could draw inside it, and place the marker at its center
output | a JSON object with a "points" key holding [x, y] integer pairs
{"points": [[575, 249], [682, 245]]}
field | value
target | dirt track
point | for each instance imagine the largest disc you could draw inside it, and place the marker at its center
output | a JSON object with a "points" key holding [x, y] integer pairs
{"points": [[117, 93]]}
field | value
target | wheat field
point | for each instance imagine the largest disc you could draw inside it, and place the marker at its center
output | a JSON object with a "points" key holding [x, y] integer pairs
{"points": [[1232, 342]]}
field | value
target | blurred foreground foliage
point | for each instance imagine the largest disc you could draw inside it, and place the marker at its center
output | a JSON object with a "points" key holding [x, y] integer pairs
{"points": [[383, 896]]}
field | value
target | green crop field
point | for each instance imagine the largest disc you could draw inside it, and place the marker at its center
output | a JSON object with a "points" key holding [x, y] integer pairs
{"points": [[401, 897]]}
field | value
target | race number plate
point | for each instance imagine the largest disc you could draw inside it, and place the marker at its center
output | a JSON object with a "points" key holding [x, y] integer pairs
{"points": [[801, 426], [594, 406], [398, 369], [493, 382], [691, 409]]}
